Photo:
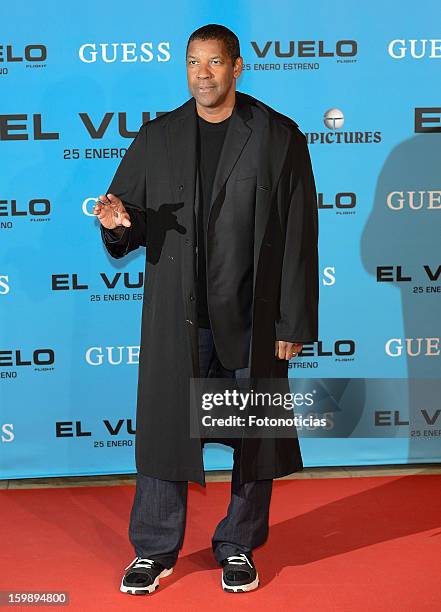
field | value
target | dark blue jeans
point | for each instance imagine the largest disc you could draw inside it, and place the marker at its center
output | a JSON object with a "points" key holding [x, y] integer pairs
{"points": [[157, 520]]}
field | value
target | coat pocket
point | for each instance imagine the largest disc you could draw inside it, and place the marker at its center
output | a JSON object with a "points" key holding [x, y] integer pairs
{"points": [[250, 175], [243, 172]]}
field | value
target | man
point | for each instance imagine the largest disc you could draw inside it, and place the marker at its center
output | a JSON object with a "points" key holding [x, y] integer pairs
{"points": [[221, 193]]}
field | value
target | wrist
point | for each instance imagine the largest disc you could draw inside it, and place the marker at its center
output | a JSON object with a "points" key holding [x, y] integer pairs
{"points": [[118, 230]]}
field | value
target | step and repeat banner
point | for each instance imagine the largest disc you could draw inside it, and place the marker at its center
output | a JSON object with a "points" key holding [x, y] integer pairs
{"points": [[76, 83]]}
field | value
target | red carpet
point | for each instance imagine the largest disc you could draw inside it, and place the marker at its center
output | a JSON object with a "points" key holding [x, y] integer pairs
{"points": [[343, 544]]}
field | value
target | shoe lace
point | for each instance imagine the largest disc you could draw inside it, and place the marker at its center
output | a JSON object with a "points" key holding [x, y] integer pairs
{"points": [[140, 562], [241, 559]]}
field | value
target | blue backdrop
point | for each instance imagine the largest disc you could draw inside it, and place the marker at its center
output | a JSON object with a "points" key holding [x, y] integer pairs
{"points": [[76, 82]]}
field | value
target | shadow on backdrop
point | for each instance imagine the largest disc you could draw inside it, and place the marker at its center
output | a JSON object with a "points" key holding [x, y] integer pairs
{"points": [[404, 229]]}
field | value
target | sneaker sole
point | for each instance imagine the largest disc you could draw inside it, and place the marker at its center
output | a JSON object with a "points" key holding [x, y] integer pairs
{"points": [[148, 589], [241, 588]]}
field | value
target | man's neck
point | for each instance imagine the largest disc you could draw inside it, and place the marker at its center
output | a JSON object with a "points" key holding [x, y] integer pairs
{"points": [[217, 114]]}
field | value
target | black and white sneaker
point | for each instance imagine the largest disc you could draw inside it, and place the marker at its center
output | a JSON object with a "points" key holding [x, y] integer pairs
{"points": [[142, 576], [239, 574]]}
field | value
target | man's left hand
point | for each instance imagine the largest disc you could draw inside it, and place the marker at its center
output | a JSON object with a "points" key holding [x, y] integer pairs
{"points": [[287, 350]]}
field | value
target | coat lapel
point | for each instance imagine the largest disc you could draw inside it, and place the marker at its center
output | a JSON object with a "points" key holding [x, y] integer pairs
{"points": [[181, 134], [237, 135], [182, 147]]}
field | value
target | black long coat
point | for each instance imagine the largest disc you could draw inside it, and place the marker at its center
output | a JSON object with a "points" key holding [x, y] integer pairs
{"points": [[156, 180]]}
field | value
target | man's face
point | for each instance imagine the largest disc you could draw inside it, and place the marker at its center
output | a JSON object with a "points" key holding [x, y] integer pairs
{"points": [[210, 72]]}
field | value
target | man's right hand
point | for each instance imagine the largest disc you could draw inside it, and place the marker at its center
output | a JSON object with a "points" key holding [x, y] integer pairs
{"points": [[112, 213]]}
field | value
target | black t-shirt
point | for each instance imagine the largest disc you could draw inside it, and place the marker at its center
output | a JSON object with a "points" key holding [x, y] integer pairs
{"points": [[210, 141]]}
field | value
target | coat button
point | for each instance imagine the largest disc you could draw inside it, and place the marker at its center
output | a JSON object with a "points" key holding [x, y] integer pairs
{"points": [[180, 187], [191, 297]]}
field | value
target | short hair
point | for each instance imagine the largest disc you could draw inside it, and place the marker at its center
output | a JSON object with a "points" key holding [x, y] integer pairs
{"points": [[214, 31]]}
